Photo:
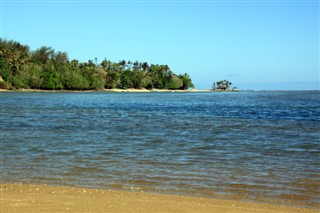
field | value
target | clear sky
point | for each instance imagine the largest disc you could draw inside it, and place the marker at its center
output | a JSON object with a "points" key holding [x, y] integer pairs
{"points": [[254, 44]]}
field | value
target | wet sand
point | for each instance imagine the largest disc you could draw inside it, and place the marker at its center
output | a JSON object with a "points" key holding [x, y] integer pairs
{"points": [[42, 198]]}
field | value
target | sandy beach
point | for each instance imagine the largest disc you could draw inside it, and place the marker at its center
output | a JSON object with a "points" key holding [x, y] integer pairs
{"points": [[43, 198]]}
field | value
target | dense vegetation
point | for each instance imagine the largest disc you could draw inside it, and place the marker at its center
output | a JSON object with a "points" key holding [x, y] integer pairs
{"points": [[45, 68], [221, 85]]}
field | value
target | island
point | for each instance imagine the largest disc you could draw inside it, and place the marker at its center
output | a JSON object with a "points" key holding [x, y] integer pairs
{"points": [[47, 69], [224, 85]]}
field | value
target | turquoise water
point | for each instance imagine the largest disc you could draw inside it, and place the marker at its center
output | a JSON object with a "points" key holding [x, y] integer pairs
{"points": [[250, 145]]}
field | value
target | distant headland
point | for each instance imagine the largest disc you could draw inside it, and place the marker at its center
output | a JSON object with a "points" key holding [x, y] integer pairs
{"points": [[47, 69]]}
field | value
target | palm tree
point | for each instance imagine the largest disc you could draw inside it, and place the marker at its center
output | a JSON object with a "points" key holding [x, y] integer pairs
{"points": [[145, 66], [43, 54], [222, 85]]}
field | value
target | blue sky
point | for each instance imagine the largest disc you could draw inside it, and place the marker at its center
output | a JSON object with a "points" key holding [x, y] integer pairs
{"points": [[254, 44]]}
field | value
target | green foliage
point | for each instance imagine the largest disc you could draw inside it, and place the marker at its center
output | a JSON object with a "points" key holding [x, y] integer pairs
{"points": [[46, 69], [35, 76], [4, 70], [186, 82], [112, 80], [174, 82], [20, 80], [52, 80], [221, 85]]}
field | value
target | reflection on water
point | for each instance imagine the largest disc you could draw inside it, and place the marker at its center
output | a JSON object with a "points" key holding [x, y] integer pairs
{"points": [[252, 145]]}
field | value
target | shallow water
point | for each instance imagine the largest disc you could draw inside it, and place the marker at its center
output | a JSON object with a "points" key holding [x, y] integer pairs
{"points": [[252, 145]]}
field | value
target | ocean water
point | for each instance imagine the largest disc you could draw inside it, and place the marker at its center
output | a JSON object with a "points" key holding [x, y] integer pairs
{"points": [[260, 146]]}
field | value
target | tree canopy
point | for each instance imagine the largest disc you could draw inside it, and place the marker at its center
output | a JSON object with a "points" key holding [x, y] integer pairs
{"points": [[48, 69], [221, 85]]}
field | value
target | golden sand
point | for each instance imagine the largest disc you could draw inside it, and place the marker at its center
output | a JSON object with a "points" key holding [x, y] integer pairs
{"points": [[42, 198]]}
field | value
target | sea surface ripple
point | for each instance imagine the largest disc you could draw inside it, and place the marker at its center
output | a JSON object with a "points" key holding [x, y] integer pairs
{"points": [[250, 145]]}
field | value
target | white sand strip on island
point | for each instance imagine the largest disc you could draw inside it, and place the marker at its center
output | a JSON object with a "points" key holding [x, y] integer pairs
{"points": [[105, 90]]}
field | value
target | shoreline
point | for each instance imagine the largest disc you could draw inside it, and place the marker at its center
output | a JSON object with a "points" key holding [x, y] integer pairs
{"points": [[45, 198], [114, 90]]}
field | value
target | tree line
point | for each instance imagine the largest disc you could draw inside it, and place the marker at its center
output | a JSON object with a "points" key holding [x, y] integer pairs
{"points": [[221, 85], [48, 69]]}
